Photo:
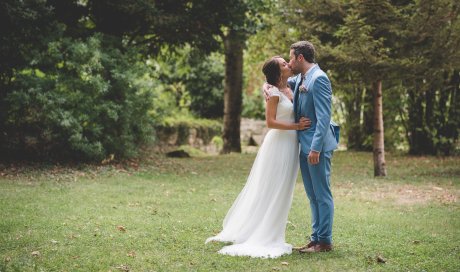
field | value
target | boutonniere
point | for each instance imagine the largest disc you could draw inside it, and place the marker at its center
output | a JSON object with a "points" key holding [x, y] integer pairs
{"points": [[302, 89]]}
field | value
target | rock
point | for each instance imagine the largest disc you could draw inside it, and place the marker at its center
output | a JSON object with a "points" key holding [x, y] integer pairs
{"points": [[178, 154], [258, 138], [252, 142]]}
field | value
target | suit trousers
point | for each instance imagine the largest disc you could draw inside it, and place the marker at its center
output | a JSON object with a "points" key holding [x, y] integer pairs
{"points": [[316, 180]]}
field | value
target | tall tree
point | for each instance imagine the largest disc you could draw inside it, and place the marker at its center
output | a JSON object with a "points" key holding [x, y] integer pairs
{"points": [[233, 90], [203, 24], [143, 25], [430, 62], [356, 41], [410, 45], [244, 18]]}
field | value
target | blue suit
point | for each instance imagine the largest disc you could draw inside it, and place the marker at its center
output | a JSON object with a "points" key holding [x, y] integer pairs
{"points": [[314, 101]]}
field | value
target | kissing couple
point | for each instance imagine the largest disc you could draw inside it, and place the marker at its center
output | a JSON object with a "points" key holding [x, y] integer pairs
{"points": [[298, 113]]}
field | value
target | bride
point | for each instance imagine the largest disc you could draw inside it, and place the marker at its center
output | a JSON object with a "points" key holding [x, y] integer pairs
{"points": [[256, 222]]}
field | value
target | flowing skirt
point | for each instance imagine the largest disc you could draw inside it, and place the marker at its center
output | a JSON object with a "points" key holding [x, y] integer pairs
{"points": [[256, 222]]}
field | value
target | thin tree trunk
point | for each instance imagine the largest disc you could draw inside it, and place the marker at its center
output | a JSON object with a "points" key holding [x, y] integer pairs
{"points": [[354, 130], [415, 121], [430, 121], [368, 122], [448, 118], [379, 149], [233, 91]]}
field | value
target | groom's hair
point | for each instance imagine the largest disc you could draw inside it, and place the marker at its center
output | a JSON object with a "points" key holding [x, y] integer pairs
{"points": [[305, 48], [272, 70]]}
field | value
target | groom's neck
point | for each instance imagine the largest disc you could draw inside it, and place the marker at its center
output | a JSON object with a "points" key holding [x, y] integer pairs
{"points": [[307, 67]]}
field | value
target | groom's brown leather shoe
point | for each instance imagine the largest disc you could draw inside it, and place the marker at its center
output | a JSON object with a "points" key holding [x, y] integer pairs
{"points": [[320, 247], [309, 245]]}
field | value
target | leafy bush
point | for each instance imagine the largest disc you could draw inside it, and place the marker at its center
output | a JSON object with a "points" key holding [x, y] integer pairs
{"points": [[253, 105], [191, 80], [84, 101], [205, 83]]}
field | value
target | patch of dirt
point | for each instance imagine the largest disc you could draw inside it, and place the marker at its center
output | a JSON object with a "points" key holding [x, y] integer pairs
{"points": [[409, 194], [404, 194]]}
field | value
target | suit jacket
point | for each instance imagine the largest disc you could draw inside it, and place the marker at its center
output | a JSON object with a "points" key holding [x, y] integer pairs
{"points": [[314, 101]]}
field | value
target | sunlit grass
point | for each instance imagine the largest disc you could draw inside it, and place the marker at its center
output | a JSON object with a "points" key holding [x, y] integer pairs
{"points": [[156, 216]]}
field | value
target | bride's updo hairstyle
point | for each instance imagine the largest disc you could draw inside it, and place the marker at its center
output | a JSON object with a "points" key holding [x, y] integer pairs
{"points": [[272, 71]]}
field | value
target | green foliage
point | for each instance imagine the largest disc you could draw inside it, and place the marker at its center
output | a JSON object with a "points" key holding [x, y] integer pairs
{"points": [[68, 91], [412, 46], [189, 81], [217, 141], [205, 85], [253, 105], [91, 102], [431, 63]]}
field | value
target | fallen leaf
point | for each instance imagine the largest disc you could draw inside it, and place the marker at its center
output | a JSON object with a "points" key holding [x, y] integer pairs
{"points": [[36, 253], [121, 228], [369, 259], [131, 254], [284, 263], [123, 267], [380, 259]]}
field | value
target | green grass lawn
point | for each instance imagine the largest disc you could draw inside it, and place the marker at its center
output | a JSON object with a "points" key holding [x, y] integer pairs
{"points": [[156, 216]]}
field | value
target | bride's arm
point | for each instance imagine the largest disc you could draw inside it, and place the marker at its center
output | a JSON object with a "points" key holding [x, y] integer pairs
{"points": [[270, 117]]}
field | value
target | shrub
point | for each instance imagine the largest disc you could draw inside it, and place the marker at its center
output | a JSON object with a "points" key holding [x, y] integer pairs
{"points": [[83, 102]]}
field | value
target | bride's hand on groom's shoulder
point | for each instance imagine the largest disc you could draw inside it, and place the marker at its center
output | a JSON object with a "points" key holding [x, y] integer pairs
{"points": [[266, 91]]}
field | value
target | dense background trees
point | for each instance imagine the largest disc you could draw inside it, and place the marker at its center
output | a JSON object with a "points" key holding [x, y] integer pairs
{"points": [[82, 80], [399, 50]]}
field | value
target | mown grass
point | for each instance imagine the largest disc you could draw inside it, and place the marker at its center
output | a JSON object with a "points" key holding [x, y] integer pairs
{"points": [[156, 216]]}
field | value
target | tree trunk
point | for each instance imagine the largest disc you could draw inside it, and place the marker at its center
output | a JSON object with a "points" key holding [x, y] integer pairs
{"points": [[353, 104], [379, 150], [415, 121], [449, 117], [233, 91], [368, 122], [430, 121]]}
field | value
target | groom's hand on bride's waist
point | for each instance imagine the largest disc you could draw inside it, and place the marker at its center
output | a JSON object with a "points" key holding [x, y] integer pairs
{"points": [[313, 157], [304, 123]]}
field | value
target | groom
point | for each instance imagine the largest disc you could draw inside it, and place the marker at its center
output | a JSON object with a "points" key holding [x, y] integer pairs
{"points": [[313, 99]]}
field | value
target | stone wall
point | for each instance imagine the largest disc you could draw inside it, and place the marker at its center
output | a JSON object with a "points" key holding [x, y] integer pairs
{"points": [[252, 133], [199, 136]]}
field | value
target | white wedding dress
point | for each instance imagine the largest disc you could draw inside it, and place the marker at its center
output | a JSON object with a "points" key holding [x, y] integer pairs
{"points": [[256, 222]]}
